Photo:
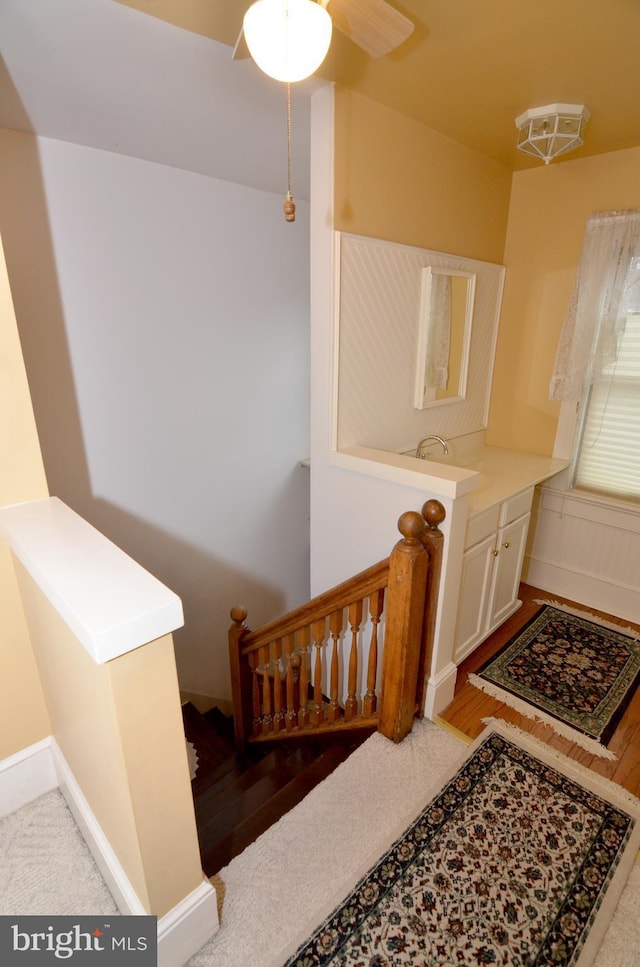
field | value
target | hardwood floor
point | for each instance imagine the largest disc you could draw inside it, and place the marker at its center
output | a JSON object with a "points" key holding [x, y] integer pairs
{"points": [[238, 797], [470, 706]]}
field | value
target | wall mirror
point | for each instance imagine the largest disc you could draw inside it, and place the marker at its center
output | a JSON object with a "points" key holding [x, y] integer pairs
{"points": [[444, 336]]}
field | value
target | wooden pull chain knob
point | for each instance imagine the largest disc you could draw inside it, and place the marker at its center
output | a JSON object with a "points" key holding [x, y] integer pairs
{"points": [[289, 208]]}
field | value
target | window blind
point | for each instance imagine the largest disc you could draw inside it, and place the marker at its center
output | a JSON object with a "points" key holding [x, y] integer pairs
{"points": [[608, 458]]}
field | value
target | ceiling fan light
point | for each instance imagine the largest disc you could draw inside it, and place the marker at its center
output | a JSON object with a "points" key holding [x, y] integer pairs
{"points": [[288, 39]]}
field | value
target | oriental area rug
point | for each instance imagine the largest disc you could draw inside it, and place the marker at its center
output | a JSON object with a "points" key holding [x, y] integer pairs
{"points": [[569, 671], [519, 860]]}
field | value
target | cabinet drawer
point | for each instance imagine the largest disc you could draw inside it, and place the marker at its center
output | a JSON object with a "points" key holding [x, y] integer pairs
{"points": [[481, 525], [516, 506]]}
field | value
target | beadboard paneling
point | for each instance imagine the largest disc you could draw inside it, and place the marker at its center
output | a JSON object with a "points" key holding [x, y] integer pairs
{"points": [[586, 549], [379, 315]]}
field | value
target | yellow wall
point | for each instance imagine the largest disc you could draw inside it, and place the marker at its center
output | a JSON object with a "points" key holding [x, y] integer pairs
{"points": [[119, 724], [549, 208], [397, 180], [120, 730], [23, 715]]}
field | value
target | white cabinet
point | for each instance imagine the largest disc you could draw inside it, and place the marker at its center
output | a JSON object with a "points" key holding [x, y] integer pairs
{"points": [[491, 568]]}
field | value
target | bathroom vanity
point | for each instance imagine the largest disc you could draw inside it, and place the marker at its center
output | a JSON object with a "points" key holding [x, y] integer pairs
{"points": [[412, 350], [492, 561], [497, 527], [487, 493]]}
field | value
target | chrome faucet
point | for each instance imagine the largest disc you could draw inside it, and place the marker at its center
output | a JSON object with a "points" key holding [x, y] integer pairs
{"points": [[426, 439]]}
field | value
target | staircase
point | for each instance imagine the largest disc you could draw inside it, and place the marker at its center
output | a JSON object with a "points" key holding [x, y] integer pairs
{"points": [[239, 796], [291, 725]]}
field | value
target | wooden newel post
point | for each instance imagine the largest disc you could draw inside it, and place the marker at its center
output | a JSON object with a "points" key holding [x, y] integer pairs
{"points": [[241, 679], [433, 539], [408, 567]]}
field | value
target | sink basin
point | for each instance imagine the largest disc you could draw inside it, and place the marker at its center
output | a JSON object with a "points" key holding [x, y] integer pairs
{"points": [[501, 471], [456, 460], [470, 462], [487, 474]]}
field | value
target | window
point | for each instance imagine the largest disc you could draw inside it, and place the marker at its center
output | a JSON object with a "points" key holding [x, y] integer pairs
{"points": [[608, 457], [598, 359]]}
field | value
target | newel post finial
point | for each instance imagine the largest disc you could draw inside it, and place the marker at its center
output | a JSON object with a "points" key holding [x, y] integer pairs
{"points": [[433, 513], [238, 615], [412, 526]]}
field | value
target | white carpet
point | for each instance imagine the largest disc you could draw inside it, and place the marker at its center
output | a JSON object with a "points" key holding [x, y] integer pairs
{"points": [[279, 889], [46, 868], [284, 884]]}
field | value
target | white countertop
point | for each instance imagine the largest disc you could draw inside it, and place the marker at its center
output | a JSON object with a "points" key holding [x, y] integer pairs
{"points": [[504, 472], [436, 479], [488, 475], [110, 602]]}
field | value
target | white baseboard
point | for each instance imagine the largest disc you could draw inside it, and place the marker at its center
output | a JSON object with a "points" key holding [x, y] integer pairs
{"points": [[593, 592], [26, 775], [184, 930], [440, 690], [106, 860], [42, 767]]}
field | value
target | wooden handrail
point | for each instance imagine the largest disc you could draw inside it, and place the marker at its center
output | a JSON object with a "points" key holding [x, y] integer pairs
{"points": [[359, 586], [272, 668]]}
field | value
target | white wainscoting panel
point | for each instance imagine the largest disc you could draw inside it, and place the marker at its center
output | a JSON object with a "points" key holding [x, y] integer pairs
{"points": [[379, 316], [587, 549]]}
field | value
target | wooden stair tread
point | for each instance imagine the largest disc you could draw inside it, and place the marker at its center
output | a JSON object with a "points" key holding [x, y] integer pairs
{"points": [[241, 799], [210, 745], [237, 797], [239, 776], [217, 855], [214, 777], [223, 724]]}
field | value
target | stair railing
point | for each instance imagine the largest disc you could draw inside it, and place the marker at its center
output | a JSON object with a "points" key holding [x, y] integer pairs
{"points": [[279, 685]]}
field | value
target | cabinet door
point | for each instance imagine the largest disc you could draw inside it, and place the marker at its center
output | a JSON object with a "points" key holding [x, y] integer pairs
{"points": [[477, 563], [510, 548]]}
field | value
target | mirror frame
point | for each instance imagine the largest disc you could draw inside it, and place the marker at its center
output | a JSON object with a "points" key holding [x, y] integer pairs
{"points": [[427, 274]]}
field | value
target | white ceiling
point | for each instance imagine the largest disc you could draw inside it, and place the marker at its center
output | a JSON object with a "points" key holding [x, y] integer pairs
{"points": [[100, 74]]}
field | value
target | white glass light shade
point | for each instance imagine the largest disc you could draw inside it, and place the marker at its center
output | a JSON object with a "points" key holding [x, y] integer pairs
{"points": [[288, 39], [546, 132]]}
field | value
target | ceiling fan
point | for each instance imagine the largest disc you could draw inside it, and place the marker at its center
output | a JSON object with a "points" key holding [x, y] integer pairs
{"points": [[289, 39], [373, 25]]}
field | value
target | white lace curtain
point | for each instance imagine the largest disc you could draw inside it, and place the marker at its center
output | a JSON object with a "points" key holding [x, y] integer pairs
{"points": [[439, 333], [607, 286]]}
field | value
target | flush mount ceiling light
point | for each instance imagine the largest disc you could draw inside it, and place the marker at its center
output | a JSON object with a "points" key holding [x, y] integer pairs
{"points": [[288, 39], [549, 131]]}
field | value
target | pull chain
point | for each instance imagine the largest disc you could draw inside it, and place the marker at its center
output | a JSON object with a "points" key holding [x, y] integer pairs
{"points": [[289, 206]]}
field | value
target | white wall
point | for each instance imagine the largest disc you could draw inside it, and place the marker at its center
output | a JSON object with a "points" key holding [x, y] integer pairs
{"points": [[354, 515], [379, 320], [164, 319]]}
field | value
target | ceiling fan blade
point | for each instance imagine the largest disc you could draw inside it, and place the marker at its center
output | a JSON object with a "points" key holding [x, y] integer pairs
{"points": [[241, 49], [374, 25]]}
